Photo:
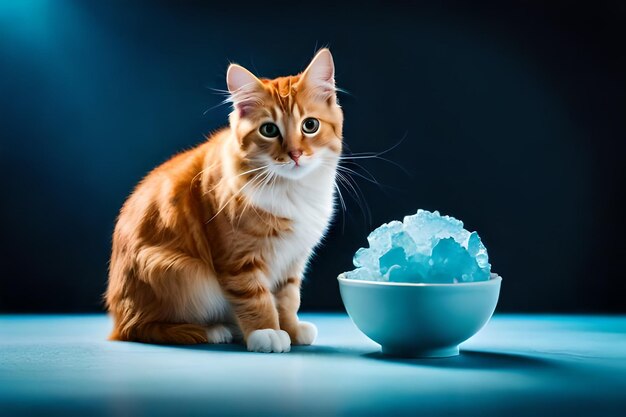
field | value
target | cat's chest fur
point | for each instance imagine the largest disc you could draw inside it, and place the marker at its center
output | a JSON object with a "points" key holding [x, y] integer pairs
{"points": [[309, 207]]}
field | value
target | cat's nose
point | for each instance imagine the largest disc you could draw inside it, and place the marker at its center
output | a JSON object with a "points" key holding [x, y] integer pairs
{"points": [[295, 155]]}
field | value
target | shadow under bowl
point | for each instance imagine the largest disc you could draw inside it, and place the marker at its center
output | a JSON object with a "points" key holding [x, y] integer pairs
{"points": [[419, 320]]}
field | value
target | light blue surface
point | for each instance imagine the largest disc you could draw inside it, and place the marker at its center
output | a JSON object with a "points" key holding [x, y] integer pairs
{"points": [[516, 366]]}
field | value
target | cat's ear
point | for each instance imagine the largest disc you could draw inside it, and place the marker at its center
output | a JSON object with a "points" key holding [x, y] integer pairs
{"points": [[245, 89], [319, 76]]}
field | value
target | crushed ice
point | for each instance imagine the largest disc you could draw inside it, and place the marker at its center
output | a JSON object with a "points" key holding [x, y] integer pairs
{"points": [[425, 247]]}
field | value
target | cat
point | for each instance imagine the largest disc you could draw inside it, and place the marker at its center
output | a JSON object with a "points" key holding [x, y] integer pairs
{"points": [[212, 245]]}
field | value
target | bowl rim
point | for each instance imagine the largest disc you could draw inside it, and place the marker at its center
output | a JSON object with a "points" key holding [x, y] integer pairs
{"points": [[495, 278]]}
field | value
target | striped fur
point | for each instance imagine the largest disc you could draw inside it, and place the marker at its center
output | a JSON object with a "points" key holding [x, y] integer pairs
{"points": [[212, 245]]}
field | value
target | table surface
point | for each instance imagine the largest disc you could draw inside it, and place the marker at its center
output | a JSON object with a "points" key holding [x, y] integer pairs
{"points": [[518, 364]]}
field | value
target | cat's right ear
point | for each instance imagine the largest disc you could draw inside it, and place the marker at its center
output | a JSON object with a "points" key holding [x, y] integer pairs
{"points": [[245, 89]]}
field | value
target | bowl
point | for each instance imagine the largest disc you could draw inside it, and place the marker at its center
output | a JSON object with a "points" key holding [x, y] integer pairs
{"points": [[420, 320]]}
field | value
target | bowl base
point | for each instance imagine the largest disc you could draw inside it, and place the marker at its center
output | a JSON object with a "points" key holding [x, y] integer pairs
{"points": [[445, 352]]}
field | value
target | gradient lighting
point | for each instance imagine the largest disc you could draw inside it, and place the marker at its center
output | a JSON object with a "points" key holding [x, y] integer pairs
{"points": [[95, 94]]}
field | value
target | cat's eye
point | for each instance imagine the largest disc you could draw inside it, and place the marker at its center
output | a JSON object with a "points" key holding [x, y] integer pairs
{"points": [[310, 125], [269, 130]]}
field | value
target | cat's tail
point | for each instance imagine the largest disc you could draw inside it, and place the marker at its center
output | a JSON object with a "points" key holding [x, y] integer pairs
{"points": [[163, 333]]}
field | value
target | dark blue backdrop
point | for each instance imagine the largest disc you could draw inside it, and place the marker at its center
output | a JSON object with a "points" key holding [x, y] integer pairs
{"points": [[513, 114]]}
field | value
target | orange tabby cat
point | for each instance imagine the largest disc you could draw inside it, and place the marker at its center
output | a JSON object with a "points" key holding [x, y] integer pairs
{"points": [[212, 245]]}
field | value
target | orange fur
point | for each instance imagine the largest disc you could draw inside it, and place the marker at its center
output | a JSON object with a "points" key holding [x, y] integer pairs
{"points": [[205, 239]]}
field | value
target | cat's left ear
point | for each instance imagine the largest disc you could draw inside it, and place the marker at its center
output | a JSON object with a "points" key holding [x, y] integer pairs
{"points": [[245, 89], [319, 76]]}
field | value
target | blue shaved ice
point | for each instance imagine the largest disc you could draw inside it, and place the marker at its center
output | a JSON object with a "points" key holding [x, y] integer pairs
{"points": [[425, 247]]}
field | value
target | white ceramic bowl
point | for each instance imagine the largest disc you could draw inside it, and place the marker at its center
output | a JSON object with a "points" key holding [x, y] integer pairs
{"points": [[420, 320]]}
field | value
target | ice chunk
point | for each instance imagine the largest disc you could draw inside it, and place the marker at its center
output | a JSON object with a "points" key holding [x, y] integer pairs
{"points": [[381, 237], [451, 261], [476, 249], [425, 247], [362, 274], [365, 258], [404, 240], [380, 241], [394, 257], [428, 228]]}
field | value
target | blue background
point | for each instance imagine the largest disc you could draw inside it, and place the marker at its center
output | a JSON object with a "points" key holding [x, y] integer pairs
{"points": [[512, 114]]}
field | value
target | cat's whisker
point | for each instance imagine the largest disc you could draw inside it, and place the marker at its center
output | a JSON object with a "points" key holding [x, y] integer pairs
{"points": [[343, 207], [257, 183], [253, 183], [377, 155], [198, 175], [341, 181], [344, 91], [229, 200], [235, 96], [272, 184], [353, 188], [345, 179], [220, 91], [261, 189], [220, 104], [371, 178], [266, 182], [365, 170], [391, 148], [235, 176]]}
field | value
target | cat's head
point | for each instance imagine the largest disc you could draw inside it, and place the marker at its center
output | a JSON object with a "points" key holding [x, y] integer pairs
{"points": [[293, 124]]}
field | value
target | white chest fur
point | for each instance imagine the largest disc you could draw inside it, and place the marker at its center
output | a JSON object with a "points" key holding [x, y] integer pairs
{"points": [[309, 204]]}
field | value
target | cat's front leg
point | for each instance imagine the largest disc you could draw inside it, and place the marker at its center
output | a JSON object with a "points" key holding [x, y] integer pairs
{"points": [[288, 302], [255, 310]]}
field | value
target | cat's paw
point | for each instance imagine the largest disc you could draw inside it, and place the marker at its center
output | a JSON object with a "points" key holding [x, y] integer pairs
{"points": [[219, 333], [269, 340], [307, 332]]}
